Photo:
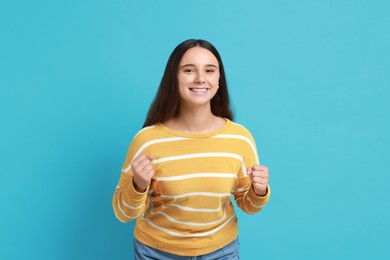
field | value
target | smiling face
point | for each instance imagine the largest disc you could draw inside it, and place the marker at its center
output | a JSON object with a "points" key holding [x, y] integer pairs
{"points": [[198, 77]]}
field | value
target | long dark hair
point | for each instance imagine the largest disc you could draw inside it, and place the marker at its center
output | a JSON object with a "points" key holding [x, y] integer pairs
{"points": [[166, 104]]}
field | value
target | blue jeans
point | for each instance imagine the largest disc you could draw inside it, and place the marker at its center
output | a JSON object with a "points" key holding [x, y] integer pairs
{"points": [[144, 252]]}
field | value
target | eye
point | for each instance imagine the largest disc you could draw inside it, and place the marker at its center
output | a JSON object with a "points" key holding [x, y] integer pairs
{"points": [[210, 70], [189, 70]]}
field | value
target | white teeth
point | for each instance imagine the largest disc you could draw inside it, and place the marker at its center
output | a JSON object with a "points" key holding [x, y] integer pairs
{"points": [[199, 89]]}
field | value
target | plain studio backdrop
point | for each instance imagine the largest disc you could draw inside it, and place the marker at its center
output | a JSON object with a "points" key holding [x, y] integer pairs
{"points": [[310, 80]]}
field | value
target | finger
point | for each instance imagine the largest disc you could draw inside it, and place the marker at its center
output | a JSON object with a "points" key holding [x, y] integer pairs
{"points": [[150, 157], [138, 159], [147, 169], [249, 171], [144, 162], [260, 174], [140, 166], [260, 180], [258, 167], [259, 186], [150, 174]]}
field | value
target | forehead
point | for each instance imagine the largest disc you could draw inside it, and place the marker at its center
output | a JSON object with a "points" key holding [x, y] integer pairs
{"points": [[198, 55]]}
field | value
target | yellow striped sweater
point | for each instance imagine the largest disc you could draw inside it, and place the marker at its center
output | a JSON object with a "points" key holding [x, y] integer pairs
{"points": [[188, 210]]}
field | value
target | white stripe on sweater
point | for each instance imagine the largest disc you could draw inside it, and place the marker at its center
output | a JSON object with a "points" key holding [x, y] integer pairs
{"points": [[253, 204], [151, 142], [208, 194], [196, 224], [197, 175], [241, 137], [131, 207], [190, 235], [197, 155], [194, 209], [172, 139], [124, 214], [244, 202]]}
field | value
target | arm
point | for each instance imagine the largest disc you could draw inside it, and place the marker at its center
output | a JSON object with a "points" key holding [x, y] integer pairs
{"points": [[247, 199], [128, 203], [131, 195], [253, 191]]}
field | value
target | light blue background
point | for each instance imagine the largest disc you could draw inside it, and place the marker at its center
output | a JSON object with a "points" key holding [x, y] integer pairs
{"points": [[309, 78]]}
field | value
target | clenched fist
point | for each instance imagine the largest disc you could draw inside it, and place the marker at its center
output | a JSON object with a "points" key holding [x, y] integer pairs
{"points": [[143, 172], [259, 177]]}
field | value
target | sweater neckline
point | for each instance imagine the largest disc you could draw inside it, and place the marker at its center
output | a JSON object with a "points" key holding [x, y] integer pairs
{"points": [[170, 131]]}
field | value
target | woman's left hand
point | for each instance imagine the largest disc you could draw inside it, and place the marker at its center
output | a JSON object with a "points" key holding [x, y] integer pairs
{"points": [[259, 177]]}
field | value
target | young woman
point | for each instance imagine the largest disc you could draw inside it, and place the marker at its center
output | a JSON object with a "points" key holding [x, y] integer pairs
{"points": [[183, 166]]}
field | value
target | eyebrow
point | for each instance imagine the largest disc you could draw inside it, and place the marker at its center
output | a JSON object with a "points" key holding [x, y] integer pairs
{"points": [[193, 65]]}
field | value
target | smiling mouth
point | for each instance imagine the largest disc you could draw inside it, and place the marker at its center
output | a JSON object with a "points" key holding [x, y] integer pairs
{"points": [[198, 89]]}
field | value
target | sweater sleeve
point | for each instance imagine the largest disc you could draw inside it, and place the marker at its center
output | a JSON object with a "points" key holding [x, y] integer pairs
{"points": [[247, 199], [244, 194], [128, 203]]}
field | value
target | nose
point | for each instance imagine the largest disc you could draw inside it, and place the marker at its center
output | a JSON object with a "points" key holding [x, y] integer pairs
{"points": [[199, 79]]}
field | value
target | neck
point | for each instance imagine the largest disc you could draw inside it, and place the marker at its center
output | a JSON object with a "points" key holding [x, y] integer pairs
{"points": [[198, 120]]}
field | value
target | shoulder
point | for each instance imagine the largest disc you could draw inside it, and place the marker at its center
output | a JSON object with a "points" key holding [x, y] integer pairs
{"points": [[239, 129], [145, 131], [240, 132], [144, 135]]}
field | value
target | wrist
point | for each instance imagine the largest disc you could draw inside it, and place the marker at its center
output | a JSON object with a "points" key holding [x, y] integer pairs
{"points": [[260, 193], [137, 188]]}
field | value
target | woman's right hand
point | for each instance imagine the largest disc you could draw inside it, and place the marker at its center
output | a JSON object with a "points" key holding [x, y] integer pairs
{"points": [[143, 172]]}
